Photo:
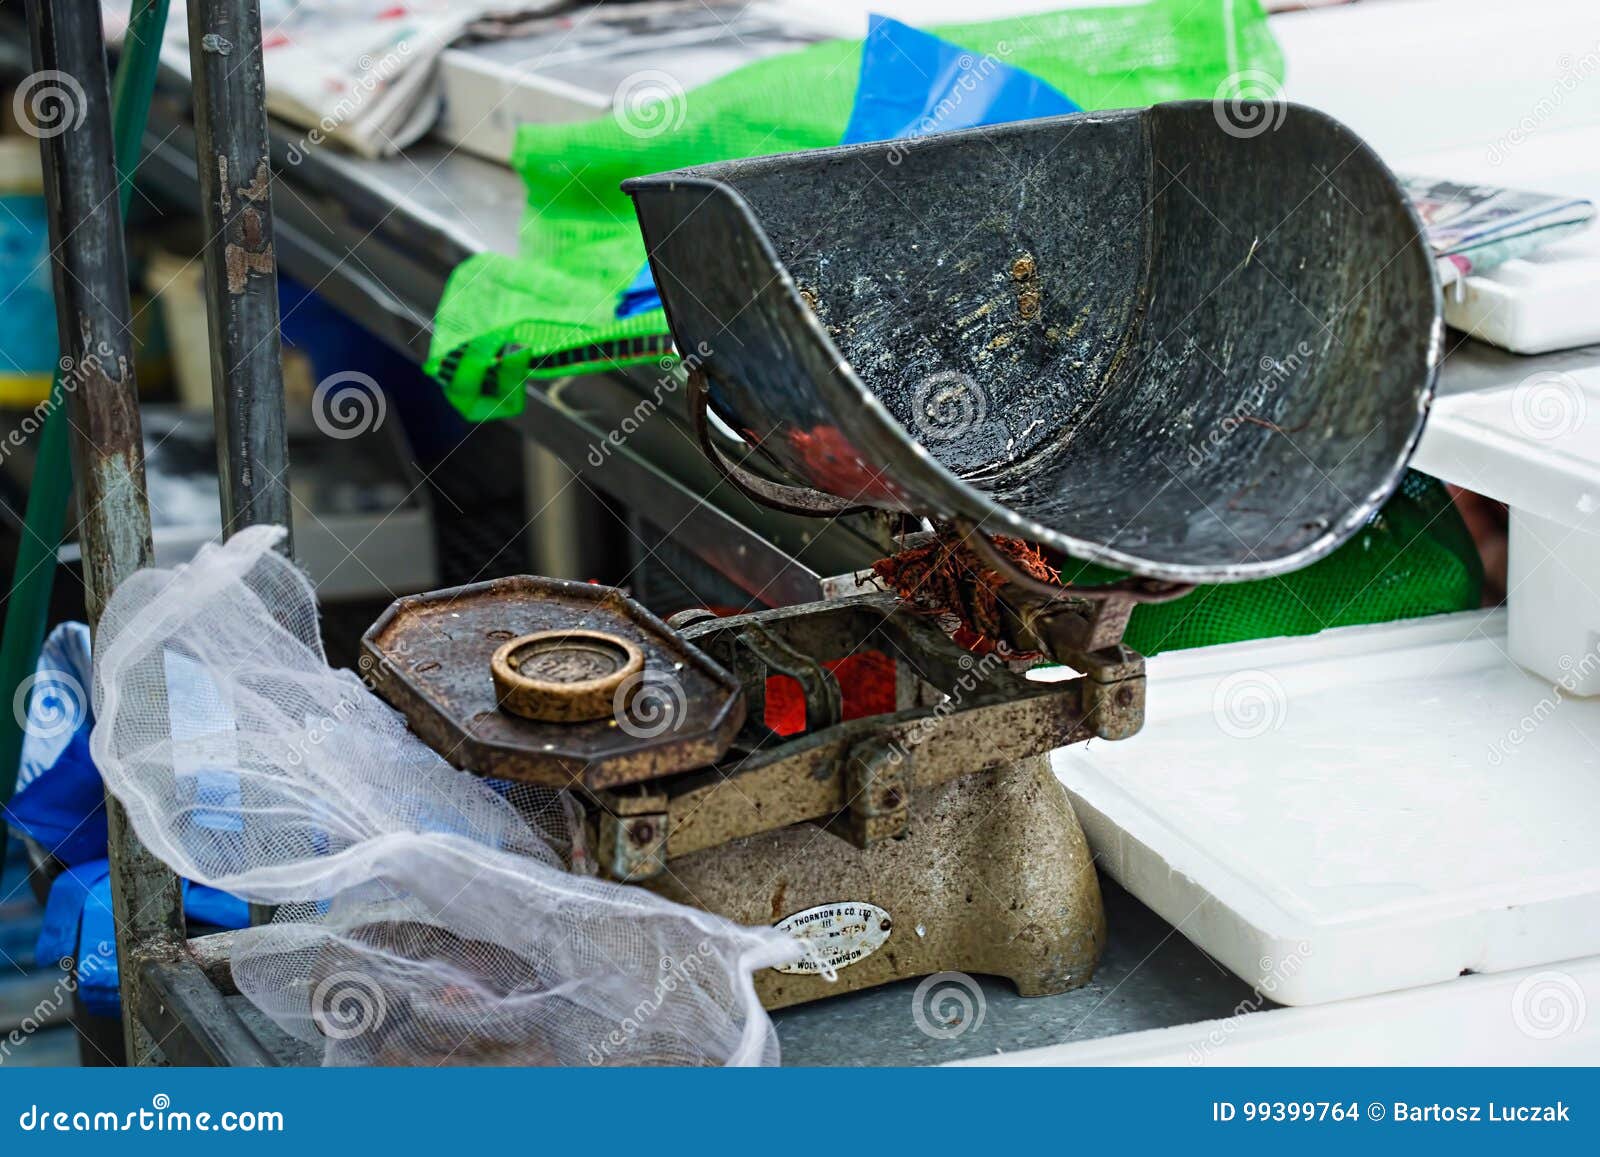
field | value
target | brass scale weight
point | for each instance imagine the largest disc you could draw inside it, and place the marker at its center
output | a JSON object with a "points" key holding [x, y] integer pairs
{"points": [[820, 301]]}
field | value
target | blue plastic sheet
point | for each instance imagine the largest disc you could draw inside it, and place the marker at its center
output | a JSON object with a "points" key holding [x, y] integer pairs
{"points": [[640, 295], [64, 808], [914, 84], [60, 805], [78, 925]]}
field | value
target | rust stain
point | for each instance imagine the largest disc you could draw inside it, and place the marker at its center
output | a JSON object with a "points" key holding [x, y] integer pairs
{"points": [[251, 250], [107, 413], [1030, 300], [250, 225], [258, 188], [982, 311], [242, 262]]}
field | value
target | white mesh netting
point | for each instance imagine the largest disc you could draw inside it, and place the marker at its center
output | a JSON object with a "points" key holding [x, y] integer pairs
{"points": [[427, 917]]}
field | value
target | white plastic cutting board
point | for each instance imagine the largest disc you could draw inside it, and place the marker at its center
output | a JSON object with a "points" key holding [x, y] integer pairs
{"points": [[1368, 809]]}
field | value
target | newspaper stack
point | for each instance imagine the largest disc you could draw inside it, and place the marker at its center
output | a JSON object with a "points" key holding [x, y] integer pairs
{"points": [[1473, 228], [356, 73]]}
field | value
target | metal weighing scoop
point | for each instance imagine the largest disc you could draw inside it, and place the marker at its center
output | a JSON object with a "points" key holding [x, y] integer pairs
{"points": [[1149, 338]]}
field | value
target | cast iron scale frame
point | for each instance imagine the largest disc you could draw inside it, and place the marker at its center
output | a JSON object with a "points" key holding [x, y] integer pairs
{"points": [[685, 767]]}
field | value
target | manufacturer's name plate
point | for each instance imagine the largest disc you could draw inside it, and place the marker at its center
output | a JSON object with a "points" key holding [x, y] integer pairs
{"points": [[839, 935]]}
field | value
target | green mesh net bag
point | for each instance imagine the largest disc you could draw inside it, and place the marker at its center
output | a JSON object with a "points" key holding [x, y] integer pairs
{"points": [[550, 310], [1415, 557]]}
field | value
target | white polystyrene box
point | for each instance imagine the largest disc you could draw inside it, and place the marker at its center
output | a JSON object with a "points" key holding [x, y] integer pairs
{"points": [[1534, 304], [1535, 445], [1366, 810], [1553, 576]]}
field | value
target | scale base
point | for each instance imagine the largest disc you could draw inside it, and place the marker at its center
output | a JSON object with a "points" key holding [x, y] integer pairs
{"points": [[994, 876]]}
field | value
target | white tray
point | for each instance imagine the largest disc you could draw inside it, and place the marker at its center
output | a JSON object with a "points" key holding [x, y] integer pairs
{"points": [[1368, 809]]}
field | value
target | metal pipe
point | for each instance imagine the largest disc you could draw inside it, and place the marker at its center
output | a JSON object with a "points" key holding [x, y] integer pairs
{"points": [[230, 115], [231, 158], [28, 608], [93, 317]]}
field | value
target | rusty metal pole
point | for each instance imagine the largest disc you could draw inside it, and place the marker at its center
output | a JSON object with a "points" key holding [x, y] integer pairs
{"points": [[230, 114], [230, 121], [92, 315]]}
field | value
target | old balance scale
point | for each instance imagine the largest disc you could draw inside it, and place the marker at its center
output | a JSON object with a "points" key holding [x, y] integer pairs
{"points": [[1106, 293]]}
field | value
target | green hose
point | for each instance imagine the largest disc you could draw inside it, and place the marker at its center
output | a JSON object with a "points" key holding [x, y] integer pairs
{"points": [[28, 608]]}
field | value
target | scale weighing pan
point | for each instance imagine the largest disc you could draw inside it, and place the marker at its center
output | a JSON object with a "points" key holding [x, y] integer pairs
{"points": [[1193, 341]]}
